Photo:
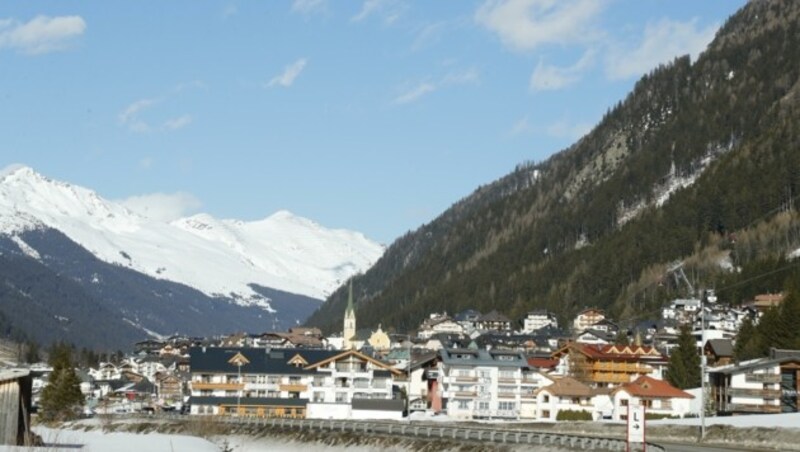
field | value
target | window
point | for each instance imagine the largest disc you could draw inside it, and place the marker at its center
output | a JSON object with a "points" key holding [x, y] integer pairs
{"points": [[463, 404], [341, 397], [506, 406], [483, 406], [623, 402], [508, 374], [319, 396], [546, 399], [546, 414]]}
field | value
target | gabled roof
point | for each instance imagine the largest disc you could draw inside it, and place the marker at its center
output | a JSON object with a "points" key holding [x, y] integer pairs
{"points": [[568, 387], [721, 347], [493, 316], [613, 351], [261, 360], [357, 354], [651, 388], [542, 363], [483, 358]]}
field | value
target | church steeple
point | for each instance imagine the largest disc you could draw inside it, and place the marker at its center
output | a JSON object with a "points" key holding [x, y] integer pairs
{"points": [[349, 332], [350, 307]]}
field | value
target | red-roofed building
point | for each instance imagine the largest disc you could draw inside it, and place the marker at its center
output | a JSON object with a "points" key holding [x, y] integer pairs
{"points": [[658, 397], [609, 365], [542, 364]]}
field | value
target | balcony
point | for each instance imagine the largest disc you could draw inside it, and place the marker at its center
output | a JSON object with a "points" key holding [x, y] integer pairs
{"points": [[463, 379], [761, 393], [762, 378], [507, 380], [752, 408], [611, 377], [506, 395], [464, 394], [631, 368], [200, 386], [293, 388]]}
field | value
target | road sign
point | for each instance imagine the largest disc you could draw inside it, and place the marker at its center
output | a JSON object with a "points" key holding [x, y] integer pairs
{"points": [[636, 424]]}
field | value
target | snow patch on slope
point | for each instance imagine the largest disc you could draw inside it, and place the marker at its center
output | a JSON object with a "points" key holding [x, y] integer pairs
{"points": [[672, 183], [218, 257], [25, 248]]}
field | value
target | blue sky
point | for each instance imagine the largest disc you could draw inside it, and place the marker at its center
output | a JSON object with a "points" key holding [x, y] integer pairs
{"points": [[372, 115]]}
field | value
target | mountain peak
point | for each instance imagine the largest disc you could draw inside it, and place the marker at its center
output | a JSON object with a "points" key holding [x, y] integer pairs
{"points": [[218, 257], [17, 170]]}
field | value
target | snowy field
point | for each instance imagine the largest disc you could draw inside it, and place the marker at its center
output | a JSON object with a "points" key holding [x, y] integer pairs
{"points": [[96, 441], [788, 420]]}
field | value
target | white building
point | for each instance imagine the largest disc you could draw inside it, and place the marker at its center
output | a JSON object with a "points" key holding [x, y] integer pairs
{"points": [[765, 385], [480, 384], [296, 383], [564, 393], [586, 318], [657, 396], [538, 319]]}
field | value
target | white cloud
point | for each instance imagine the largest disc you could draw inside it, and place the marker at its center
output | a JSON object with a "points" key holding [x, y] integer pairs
{"points": [[548, 77], [192, 84], [230, 11], [367, 8], [289, 74], [146, 163], [470, 76], [564, 129], [521, 126], [163, 206], [42, 34], [414, 93], [528, 24], [178, 123], [309, 6], [129, 117], [389, 10], [661, 42]]}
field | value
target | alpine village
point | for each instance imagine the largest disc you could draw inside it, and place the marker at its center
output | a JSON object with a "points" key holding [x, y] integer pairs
{"points": [[653, 265]]}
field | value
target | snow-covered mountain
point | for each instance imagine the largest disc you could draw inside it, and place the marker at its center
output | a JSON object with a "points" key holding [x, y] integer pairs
{"points": [[220, 258]]}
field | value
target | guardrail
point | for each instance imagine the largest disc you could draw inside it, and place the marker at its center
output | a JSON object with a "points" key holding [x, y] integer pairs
{"points": [[425, 430]]}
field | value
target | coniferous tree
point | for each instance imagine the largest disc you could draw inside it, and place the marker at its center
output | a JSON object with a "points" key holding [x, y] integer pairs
{"points": [[684, 362], [32, 353], [748, 341], [61, 398]]}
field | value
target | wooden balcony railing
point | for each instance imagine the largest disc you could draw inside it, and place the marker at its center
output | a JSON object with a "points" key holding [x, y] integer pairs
{"points": [[762, 378], [200, 386], [293, 388]]}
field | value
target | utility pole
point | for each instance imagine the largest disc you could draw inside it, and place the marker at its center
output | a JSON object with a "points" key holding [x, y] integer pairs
{"points": [[703, 365]]}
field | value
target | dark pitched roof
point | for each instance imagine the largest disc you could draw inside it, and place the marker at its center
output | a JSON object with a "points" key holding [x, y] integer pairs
{"points": [[721, 347], [494, 316], [261, 360]]}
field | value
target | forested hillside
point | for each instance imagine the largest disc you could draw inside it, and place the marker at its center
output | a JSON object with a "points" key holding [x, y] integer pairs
{"points": [[700, 163]]}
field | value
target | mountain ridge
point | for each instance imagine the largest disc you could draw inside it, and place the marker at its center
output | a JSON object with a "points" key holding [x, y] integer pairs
{"points": [[660, 177], [282, 251]]}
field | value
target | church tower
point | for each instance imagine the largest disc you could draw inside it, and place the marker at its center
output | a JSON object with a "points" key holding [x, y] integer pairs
{"points": [[349, 321]]}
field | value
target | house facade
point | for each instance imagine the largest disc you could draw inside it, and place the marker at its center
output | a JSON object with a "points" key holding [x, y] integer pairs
{"points": [[586, 318], [609, 365], [480, 384], [538, 319], [297, 383], [765, 385], [657, 396]]}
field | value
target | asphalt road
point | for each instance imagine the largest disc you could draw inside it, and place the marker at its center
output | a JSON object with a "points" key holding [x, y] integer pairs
{"points": [[676, 447]]}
